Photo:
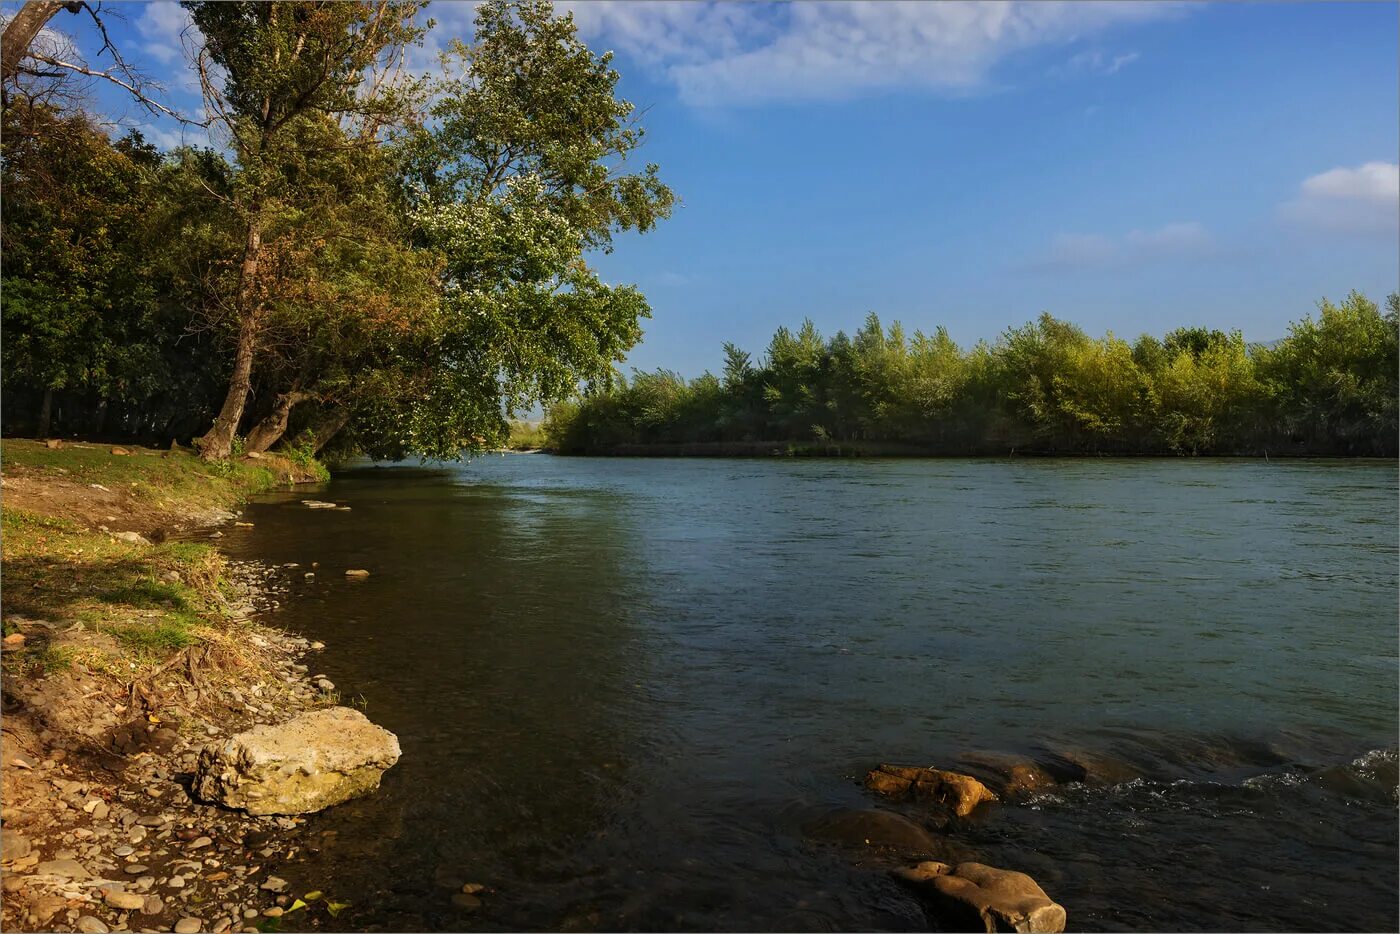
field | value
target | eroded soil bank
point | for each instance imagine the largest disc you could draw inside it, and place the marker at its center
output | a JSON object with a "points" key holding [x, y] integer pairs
{"points": [[130, 642]]}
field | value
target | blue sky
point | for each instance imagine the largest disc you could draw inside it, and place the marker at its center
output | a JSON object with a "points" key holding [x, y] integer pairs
{"points": [[1128, 167]]}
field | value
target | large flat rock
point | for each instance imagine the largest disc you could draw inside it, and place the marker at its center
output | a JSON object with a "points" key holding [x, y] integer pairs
{"points": [[306, 764]]}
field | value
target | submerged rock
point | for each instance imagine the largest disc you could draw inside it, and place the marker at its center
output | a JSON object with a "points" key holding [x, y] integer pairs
{"points": [[873, 828], [1010, 776], [959, 793], [976, 897], [306, 764]]}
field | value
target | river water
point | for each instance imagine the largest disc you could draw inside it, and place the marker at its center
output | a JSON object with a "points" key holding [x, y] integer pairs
{"points": [[623, 687]]}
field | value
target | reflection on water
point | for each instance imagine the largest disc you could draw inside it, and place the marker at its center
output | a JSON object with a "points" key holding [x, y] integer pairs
{"points": [[623, 686]]}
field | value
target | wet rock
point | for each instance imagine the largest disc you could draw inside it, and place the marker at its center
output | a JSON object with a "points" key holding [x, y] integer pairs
{"points": [[959, 793], [1091, 768], [1009, 776], [90, 925], [873, 828], [188, 926], [306, 764], [976, 897], [274, 884], [125, 901], [357, 573]]}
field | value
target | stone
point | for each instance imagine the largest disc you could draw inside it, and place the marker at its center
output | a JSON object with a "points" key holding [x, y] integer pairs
{"points": [[45, 907], [873, 828], [306, 764], [14, 845], [124, 850], [273, 912], [135, 869], [176, 882], [12, 882], [68, 868], [274, 884], [1011, 777], [125, 901], [977, 897], [152, 905], [357, 573], [959, 793], [199, 843], [121, 452], [90, 925], [325, 685], [222, 925], [14, 640], [53, 444], [188, 926], [135, 538], [471, 888]]}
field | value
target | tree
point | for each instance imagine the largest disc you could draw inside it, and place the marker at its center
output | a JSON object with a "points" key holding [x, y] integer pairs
{"points": [[520, 172], [293, 85]]}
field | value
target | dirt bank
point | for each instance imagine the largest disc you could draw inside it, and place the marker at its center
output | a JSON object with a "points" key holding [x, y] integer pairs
{"points": [[126, 648]]}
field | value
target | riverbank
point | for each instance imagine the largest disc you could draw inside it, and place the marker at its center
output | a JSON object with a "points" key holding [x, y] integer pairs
{"points": [[127, 646]]}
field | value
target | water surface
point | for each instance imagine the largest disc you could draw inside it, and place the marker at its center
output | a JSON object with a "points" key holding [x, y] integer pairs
{"points": [[623, 687]]}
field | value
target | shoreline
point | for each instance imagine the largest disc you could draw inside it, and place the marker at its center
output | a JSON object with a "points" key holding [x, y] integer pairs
{"points": [[896, 451], [128, 647]]}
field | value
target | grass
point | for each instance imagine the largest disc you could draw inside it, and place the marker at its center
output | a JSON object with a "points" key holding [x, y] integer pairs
{"points": [[151, 600], [164, 478]]}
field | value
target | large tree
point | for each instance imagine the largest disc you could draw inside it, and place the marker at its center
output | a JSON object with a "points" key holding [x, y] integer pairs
{"points": [[292, 85]]}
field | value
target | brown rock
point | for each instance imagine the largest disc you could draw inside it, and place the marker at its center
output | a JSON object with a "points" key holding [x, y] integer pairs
{"points": [[14, 640], [121, 452], [53, 444], [357, 573], [1091, 768], [976, 897], [959, 793]]}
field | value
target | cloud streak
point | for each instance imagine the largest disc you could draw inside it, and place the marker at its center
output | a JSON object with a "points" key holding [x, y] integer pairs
{"points": [[1184, 239], [738, 54]]}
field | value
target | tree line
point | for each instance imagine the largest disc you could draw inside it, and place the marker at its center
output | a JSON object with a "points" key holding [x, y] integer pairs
{"points": [[361, 259], [1328, 387]]}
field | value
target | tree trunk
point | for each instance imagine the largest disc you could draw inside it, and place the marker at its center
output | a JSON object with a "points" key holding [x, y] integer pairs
{"points": [[270, 430], [217, 444], [20, 32], [45, 413], [329, 428]]}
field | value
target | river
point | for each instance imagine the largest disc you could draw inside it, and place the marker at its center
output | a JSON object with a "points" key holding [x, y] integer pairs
{"points": [[624, 686]]}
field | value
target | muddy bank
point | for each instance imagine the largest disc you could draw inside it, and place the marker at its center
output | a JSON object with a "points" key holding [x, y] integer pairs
{"points": [[129, 647]]}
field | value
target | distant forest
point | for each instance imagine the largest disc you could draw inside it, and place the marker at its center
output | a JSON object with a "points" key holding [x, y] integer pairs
{"points": [[1328, 388]]}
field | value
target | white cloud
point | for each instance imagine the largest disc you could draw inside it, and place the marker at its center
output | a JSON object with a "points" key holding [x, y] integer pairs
{"points": [[1175, 240], [1364, 199], [1097, 62], [164, 24], [750, 53]]}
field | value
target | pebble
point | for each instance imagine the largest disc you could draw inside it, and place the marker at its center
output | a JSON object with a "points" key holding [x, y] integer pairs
{"points": [[176, 882], [471, 888], [124, 850], [90, 925], [250, 912], [134, 869], [152, 905], [199, 843], [222, 925], [125, 901], [274, 884], [273, 912], [188, 926], [12, 882]]}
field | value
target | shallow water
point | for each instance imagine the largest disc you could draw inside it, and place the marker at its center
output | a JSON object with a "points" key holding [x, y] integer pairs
{"points": [[623, 686]]}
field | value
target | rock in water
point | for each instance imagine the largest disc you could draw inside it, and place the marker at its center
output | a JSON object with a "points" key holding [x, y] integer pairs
{"points": [[975, 897], [306, 764], [960, 793], [872, 828]]}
